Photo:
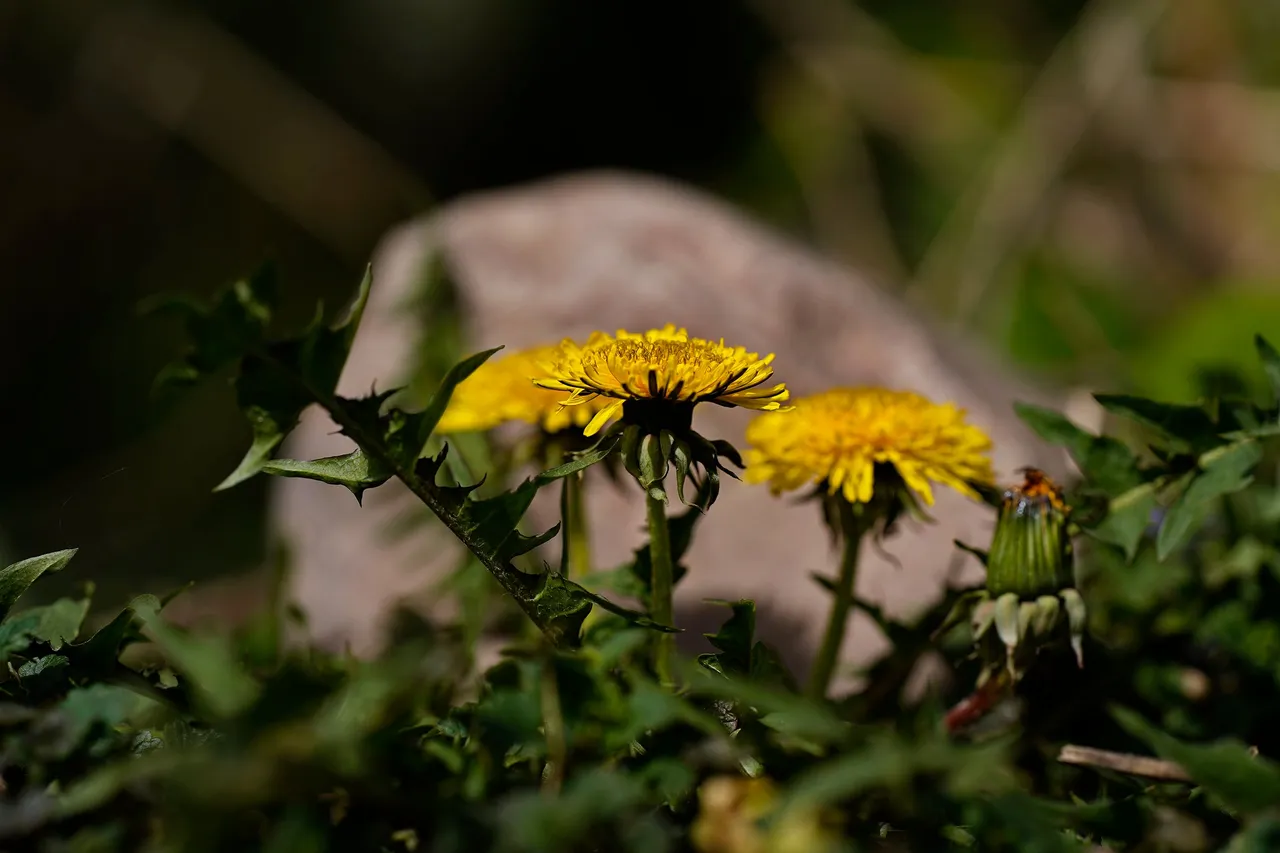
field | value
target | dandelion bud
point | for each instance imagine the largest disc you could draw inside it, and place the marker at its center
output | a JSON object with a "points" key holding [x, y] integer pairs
{"points": [[1031, 552], [1029, 581]]}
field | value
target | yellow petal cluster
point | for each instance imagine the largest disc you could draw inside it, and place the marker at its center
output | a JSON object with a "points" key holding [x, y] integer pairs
{"points": [[729, 811], [838, 436], [661, 364], [502, 390]]}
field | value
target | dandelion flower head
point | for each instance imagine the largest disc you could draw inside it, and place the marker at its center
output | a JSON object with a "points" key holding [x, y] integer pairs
{"points": [[660, 365], [839, 436], [502, 390]]}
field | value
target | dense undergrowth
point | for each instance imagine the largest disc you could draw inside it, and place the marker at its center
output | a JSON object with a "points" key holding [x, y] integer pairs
{"points": [[122, 732]]}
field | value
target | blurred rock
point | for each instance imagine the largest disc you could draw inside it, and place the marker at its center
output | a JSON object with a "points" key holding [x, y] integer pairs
{"points": [[607, 251]]}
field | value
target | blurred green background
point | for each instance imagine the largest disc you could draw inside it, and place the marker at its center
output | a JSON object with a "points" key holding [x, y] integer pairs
{"points": [[1091, 188]]}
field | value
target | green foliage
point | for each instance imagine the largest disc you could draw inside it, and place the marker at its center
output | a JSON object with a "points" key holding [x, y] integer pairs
{"points": [[144, 735]]}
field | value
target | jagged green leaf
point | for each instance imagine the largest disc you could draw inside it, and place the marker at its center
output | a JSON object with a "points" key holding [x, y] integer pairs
{"points": [[735, 637], [1185, 428], [278, 381], [1128, 517], [15, 579], [97, 655], [354, 470], [60, 622], [222, 332], [1221, 472], [1107, 463]]}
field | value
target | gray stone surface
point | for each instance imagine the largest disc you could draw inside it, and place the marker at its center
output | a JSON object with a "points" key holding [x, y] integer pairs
{"points": [[606, 251]]}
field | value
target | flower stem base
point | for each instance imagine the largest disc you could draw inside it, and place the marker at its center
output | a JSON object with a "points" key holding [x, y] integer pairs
{"points": [[661, 585]]}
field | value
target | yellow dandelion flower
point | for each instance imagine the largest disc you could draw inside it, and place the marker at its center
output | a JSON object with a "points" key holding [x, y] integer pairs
{"points": [[502, 390], [838, 437], [660, 365]]}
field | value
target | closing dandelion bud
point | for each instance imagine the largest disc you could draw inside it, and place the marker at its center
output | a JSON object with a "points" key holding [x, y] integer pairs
{"points": [[1029, 581]]}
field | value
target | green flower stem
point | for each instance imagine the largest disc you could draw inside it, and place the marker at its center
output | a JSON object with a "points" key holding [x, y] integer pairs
{"points": [[824, 665], [660, 588], [575, 526], [553, 728], [575, 553]]}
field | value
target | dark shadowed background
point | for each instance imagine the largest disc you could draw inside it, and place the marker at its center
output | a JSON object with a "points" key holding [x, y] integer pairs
{"points": [[1090, 188]]}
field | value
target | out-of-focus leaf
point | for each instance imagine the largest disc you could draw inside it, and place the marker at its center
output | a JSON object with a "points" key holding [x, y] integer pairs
{"points": [[60, 622], [1186, 428], [103, 704], [298, 831], [15, 579], [1105, 462], [1128, 517], [1245, 782], [529, 822], [781, 710], [736, 636], [16, 632], [1222, 472], [1259, 836], [97, 655], [889, 762], [218, 680], [1270, 359]]}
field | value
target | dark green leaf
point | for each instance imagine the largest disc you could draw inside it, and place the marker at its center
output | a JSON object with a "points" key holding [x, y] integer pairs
{"points": [[16, 632], [60, 622], [1186, 428], [1127, 518], [781, 710], [1270, 364], [278, 381], [15, 579], [1106, 463], [1244, 782], [736, 636], [1259, 836], [97, 655], [1222, 471]]}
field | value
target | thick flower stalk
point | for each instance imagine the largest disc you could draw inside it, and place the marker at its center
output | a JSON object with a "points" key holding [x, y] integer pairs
{"points": [[1030, 599], [869, 455], [502, 391], [652, 382]]}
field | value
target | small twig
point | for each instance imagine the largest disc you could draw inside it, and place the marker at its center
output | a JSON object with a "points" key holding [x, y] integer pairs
{"points": [[1134, 765]]}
